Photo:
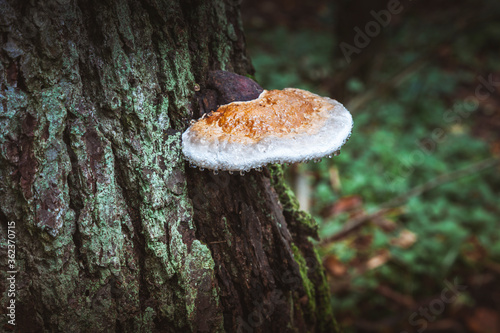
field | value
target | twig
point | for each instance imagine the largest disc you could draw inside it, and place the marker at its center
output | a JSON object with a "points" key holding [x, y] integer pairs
{"points": [[400, 77], [442, 179], [217, 242], [355, 223], [358, 102], [399, 298]]}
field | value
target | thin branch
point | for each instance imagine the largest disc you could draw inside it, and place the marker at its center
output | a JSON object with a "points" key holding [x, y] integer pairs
{"points": [[354, 224], [442, 179], [357, 222], [358, 102]]}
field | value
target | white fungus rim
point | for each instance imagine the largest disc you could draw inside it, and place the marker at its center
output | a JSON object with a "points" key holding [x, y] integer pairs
{"points": [[237, 156]]}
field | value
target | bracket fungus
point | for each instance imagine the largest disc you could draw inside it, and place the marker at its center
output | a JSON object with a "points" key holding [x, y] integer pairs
{"points": [[280, 126]]}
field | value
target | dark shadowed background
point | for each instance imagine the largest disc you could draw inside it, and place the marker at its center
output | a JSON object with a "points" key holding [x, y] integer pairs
{"points": [[409, 213]]}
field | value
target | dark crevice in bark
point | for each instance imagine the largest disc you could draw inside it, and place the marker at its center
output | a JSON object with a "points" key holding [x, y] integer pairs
{"points": [[186, 8], [168, 239], [3, 87], [21, 81], [173, 113], [28, 165], [32, 323], [118, 326], [90, 14], [77, 240], [91, 55], [156, 38], [75, 195], [135, 216], [3, 220]]}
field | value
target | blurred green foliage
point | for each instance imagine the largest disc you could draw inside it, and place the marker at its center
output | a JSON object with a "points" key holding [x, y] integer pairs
{"points": [[284, 59], [393, 149]]}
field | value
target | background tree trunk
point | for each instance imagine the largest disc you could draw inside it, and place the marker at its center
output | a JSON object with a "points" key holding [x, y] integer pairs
{"points": [[113, 232]]}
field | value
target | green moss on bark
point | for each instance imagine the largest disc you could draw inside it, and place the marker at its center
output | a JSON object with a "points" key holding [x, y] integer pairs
{"points": [[304, 228]]}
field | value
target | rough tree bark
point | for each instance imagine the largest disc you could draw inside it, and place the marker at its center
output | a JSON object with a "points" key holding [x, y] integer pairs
{"points": [[114, 233]]}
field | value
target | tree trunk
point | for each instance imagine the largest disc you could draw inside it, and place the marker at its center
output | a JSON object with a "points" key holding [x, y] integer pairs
{"points": [[113, 231]]}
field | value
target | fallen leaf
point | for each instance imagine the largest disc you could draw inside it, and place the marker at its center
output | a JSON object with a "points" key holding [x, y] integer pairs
{"points": [[334, 266], [346, 204], [483, 320], [405, 239], [378, 260], [473, 250]]}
